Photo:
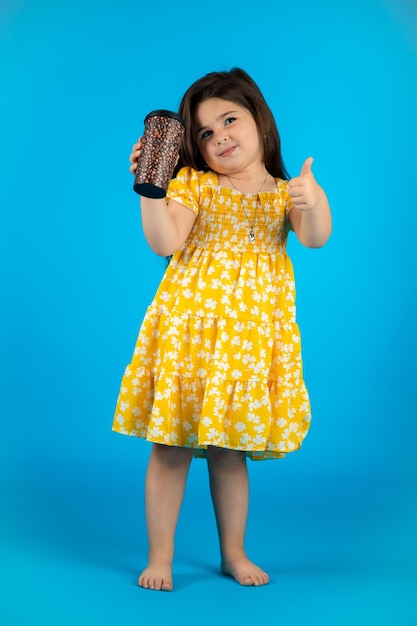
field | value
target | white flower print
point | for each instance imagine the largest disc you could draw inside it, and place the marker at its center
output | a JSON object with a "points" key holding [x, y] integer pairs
{"points": [[210, 303], [218, 354]]}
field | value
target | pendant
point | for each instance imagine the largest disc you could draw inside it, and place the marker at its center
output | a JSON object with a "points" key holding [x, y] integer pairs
{"points": [[251, 235]]}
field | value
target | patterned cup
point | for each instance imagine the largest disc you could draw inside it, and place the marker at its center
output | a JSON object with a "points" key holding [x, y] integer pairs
{"points": [[164, 132]]}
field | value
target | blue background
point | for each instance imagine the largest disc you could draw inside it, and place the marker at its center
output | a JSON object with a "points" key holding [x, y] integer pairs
{"points": [[334, 524]]}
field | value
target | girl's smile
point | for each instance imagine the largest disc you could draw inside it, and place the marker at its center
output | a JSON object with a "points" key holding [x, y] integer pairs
{"points": [[228, 151]]}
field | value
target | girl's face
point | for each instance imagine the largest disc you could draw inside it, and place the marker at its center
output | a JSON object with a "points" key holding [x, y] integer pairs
{"points": [[227, 136]]}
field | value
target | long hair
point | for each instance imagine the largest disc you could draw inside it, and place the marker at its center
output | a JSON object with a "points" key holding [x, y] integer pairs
{"points": [[238, 87]]}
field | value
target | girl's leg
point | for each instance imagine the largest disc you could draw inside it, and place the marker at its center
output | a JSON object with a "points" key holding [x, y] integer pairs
{"points": [[164, 490], [230, 493]]}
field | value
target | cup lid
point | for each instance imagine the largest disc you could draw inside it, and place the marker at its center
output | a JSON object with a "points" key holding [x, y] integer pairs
{"points": [[165, 113]]}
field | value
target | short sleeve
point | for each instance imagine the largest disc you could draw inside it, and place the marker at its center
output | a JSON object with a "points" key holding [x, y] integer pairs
{"points": [[288, 202], [185, 188]]}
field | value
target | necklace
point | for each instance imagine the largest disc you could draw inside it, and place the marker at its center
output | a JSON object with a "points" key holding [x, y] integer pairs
{"points": [[251, 232]]}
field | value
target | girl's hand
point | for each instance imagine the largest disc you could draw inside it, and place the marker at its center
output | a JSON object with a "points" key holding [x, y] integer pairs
{"points": [[303, 190], [134, 156]]}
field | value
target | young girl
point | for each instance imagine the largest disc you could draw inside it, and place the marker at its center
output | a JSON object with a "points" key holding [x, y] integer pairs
{"points": [[217, 369]]}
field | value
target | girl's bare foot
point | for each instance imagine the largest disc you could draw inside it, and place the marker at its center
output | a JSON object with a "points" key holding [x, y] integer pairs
{"points": [[157, 576], [244, 571]]}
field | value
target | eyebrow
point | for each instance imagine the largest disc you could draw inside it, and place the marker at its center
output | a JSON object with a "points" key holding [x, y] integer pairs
{"points": [[223, 115]]}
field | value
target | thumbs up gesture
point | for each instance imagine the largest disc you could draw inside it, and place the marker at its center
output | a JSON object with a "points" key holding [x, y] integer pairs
{"points": [[303, 190]]}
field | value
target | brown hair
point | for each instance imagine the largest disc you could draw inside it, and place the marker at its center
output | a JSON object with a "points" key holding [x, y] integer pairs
{"points": [[238, 87]]}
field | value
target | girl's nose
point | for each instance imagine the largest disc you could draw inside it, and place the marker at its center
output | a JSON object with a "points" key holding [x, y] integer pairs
{"points": [[221, 137]]}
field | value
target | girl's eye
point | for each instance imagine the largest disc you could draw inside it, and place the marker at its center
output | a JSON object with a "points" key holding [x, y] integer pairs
{"points": [[229, 120], [205, 134]]}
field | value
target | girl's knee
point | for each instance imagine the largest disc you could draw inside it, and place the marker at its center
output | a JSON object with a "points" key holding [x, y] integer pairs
{"points": [[172, 455], [224, 457]]}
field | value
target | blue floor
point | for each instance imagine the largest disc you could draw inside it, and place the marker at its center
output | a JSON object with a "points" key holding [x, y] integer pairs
{"points": [[337, 553]]}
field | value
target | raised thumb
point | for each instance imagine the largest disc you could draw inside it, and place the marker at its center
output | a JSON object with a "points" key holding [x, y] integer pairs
{"points": [[306, 169]]}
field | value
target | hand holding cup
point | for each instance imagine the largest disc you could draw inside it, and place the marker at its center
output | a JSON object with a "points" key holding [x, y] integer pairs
{"points": [[135, 156]]}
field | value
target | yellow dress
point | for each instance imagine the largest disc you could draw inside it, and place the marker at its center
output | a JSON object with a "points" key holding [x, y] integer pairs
{"points": [[218, 359]]}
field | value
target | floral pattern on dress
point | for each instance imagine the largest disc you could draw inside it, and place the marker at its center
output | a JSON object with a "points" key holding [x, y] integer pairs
{"points": [[218, 357]]}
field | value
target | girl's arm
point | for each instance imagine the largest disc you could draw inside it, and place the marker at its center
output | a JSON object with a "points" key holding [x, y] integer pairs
{"points": [[166, 225], [310, 217]]}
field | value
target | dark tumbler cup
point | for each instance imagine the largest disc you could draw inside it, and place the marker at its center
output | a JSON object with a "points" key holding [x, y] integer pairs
{"points": [[164, 133]]}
